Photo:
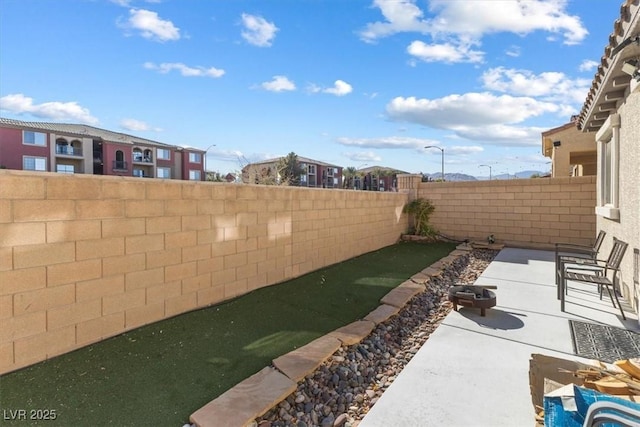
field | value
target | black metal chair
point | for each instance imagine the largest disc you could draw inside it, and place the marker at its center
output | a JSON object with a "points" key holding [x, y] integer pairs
{"points": [[602, 273], [578, 254]]}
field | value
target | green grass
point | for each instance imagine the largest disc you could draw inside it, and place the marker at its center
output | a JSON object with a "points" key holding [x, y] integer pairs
{"points": [[161, 373]]}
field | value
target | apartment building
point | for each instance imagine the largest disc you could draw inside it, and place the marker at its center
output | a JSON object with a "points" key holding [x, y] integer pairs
{"points": [[78, 148], [377, 178], [316, 174]]}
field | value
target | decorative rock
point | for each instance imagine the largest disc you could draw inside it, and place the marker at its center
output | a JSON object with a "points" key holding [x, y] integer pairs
{"points": [[340, 420], [350, 382], [328, 421]]}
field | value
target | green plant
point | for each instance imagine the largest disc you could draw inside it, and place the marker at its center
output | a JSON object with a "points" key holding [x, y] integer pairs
{"points": [[421, 209]]}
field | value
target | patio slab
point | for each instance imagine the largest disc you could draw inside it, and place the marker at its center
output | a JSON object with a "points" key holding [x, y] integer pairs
{"points": [[246, 401], [299, 363], [488, 357]]}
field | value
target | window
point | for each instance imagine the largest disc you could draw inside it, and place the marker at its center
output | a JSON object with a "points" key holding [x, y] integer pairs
{"points": [[195, 158], [34, 138], [312, 169], [164, 154], [608, 139], [164, 172], [34, 163], [65, 169], [194, 175], [330, 171], [139, 173]]}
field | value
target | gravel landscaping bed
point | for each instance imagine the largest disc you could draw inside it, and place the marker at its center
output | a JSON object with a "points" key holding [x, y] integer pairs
{"points": [[343, 389]]}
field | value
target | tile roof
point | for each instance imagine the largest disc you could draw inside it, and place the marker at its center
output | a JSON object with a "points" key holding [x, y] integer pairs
{"points": [[84, 131], [300, 159], [610, 83]]}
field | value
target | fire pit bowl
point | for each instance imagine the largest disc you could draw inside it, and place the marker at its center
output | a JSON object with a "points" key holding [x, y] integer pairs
{"points": [[472, 296]]}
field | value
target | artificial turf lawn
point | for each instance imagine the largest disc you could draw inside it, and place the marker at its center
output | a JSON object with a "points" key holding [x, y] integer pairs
{"points": [[161, 373]]}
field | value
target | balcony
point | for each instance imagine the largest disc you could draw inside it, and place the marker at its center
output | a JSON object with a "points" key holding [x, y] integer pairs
{"points": [[67, 150], [142, 159], [120, 166]]}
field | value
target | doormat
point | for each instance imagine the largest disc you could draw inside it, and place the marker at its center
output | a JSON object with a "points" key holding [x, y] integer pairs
{"points": [[605, 343]]}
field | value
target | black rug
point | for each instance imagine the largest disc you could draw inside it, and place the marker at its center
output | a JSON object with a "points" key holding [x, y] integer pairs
{"points": [[604, 343]]}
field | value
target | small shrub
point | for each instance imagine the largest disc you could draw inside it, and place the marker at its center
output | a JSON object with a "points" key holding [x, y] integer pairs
{"points": [[421, 209]]}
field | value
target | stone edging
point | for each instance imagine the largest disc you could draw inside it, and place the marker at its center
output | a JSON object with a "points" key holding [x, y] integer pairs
{"points": [[253, 397]]}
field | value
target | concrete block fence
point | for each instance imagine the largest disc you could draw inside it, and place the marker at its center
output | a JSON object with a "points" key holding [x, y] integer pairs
{"points": [[521, 212], [84, 258]]}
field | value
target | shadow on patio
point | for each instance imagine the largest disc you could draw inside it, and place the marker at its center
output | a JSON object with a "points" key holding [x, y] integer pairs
{"points": [[475, 370]]}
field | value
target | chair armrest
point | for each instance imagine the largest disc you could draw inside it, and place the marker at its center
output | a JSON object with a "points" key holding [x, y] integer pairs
{"points": [[583, 261], [575, 249]]}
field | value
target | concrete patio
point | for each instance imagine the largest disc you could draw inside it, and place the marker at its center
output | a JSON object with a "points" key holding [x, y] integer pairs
{"points": [[473, 370]]}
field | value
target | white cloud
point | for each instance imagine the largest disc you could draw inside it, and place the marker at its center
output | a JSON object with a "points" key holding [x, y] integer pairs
{"points": [[551, 86], [391, 142], [69, 111], [137, 126], [482, 17], [444, 52], [503, 135], [185, 70], [258, 31], [513, 51], [362, 156], [400, 15], [470, 109], [150, 26], [588, 65], [340, 88], [279, 84], [472, 20], [463, 150]]}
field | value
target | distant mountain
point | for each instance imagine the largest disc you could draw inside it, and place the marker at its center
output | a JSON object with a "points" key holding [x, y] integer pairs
{"points": [[518, 175], [451, 177], [464, 177], [528, 174]]}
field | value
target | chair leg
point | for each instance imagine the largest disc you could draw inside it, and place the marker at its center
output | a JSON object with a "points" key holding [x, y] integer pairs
{"points": [[618, 301], [563, 284], [610, 296]]}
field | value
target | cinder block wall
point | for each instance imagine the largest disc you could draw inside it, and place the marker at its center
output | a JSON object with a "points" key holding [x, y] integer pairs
{"points": [[519, 212], [83, 258]]}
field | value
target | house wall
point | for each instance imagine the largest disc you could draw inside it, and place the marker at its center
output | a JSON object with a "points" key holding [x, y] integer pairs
{"points": [[83, 164], [12, 149], [627, 228], [84, 257], [109, 153], [575, 148], [531, 212]]}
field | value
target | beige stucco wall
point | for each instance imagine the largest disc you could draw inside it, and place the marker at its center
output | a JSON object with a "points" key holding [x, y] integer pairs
{"points": [[83, 258], [576, 148], [628, 227], [520, 212]]}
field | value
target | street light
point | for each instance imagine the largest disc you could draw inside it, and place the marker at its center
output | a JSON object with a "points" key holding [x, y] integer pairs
{"points": [[442, 152], [205, 160], [487, 166]]}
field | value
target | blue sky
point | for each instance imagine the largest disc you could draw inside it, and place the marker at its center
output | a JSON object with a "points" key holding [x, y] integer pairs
{"points": [[353, 83]]}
